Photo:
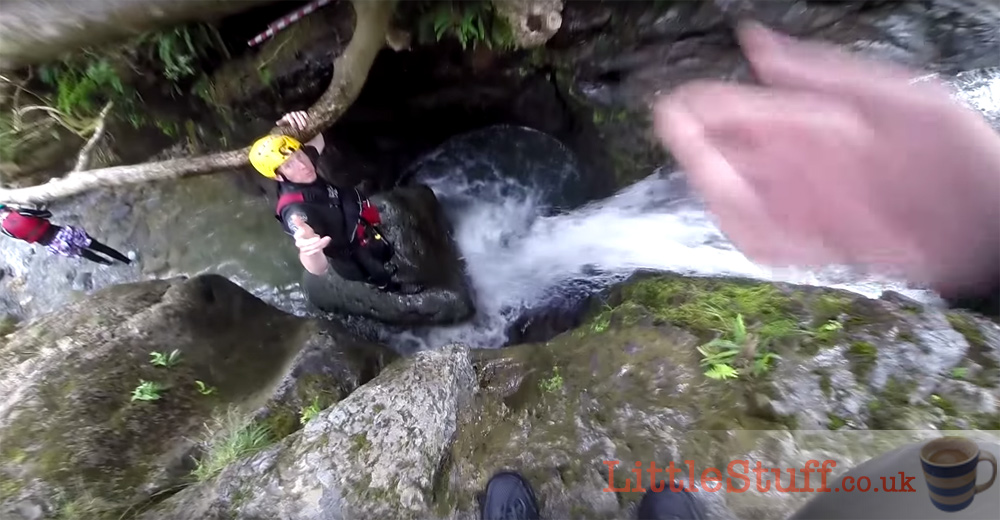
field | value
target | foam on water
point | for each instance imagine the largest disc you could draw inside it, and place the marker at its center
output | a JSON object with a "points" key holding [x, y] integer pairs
{"points": [[519, 252], [518, 255]]}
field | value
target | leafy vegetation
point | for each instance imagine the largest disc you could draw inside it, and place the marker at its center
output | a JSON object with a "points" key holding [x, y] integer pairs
{"points": [[165, 360], [863, 356], [204, 389], [698, 305], [737, 353], [603, 320], [310, 412], [967, 328], [71, 93], [959, 372], [147, 391], [553, 383], [470, 23], [228, 439], [827, 332]]}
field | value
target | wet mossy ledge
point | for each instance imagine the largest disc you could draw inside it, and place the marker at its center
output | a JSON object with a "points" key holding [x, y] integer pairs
{"points": [[667, 367]]}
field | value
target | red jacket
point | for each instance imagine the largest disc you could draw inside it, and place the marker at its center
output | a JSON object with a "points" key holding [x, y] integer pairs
{"points": [[25, 227]]}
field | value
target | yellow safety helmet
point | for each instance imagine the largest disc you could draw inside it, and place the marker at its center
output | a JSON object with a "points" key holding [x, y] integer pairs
{"points": [[270, 152]]}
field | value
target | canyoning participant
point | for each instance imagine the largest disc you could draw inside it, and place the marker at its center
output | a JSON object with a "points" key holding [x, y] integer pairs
{"points": [[332, 225], [33, 226]]}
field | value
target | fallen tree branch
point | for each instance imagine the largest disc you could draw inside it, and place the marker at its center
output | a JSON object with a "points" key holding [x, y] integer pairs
{"points": [[351, 69], [84, 158]]}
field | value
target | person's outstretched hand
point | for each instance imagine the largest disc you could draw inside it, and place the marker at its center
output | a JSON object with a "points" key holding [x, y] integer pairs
{"points": [[835, 159], [308, 242]]}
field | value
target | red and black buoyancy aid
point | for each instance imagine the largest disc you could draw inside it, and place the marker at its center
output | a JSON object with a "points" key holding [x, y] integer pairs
{"points": [[25, 227], [359, 224]]}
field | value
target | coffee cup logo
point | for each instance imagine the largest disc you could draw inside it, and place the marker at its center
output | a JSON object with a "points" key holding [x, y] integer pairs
{"points": [[950, 467]]}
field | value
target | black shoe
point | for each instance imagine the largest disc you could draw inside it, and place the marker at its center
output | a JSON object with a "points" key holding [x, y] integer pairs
{"points": [[670, 505], [509, 497]]}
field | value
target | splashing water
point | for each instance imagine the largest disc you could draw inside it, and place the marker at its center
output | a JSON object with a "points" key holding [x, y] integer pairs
{"points": [[521, 252], [525, 243]]}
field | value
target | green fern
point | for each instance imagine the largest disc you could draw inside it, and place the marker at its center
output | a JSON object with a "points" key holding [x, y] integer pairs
{"points": [[722, 353], [721, 372], [470, 23]]}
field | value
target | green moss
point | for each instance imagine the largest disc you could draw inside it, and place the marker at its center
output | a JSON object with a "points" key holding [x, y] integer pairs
{"points": [[907, 336], [886, 410], [829, 307], [985, 421], [697, 304], [863, 356], [282, 423], [441, 495], [950, 423], [824, 383], [945, 405], [240, 497], [10, 487], [967, 328], [836, 422], [359, 444], [791, 422], [8, 324], [989, 376]]}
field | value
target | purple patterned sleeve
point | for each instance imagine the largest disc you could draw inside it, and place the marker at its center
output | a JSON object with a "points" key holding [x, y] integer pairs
{"points": [[69, 241]]}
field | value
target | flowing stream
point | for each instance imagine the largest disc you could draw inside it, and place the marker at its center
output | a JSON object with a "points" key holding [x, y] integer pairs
{"points": [[516, 202]]}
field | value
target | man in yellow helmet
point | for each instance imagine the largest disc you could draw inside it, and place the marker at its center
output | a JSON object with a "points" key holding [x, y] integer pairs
{"points": [[332, 226]]}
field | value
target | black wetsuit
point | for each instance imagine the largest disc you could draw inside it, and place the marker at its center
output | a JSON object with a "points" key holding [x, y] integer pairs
{"points": [[333, 211]]}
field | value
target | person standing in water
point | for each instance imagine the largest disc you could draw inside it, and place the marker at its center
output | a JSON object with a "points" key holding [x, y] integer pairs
{"points": [[33, 226], [332, 225]]}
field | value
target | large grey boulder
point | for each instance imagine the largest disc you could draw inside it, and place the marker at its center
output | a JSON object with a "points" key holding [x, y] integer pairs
{"points": [[380, 453], [74, 441], [856, 377], [425, 254]]}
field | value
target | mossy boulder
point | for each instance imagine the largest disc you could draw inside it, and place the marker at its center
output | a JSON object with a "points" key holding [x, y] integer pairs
{"points": [[628, 386], [376, 454], [76, 442]]}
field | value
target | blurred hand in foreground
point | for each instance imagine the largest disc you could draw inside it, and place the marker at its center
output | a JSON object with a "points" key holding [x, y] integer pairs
{"points": [[835, 159]]}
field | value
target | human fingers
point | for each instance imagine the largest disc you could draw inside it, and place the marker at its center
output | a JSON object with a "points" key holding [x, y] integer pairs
{"points": [[301, 119], [315, 245], [778, 148], [752, 116], [307, 244], [729, 196]]}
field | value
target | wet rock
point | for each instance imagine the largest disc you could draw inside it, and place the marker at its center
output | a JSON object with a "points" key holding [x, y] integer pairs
{"points": [[648, 48], [83, 282], [425, 255], [532, 22], [75, 439], [630, 385], [379, 453]]}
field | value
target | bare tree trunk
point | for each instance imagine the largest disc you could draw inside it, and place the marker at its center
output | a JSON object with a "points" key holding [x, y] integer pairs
{"points": [[350, 72], [83, 159], [36, 31]]}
